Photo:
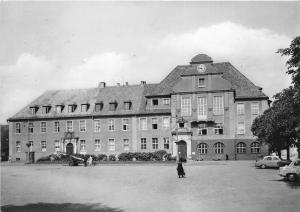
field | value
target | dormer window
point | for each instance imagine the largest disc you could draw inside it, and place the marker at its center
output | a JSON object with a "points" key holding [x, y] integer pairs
{"points": [[98, 106], [46, 109], [181, 124], [84, 107], [154, 102], [166, 101], [127, 105], [59, 108], [34, 110], [201, 83], [113, 106], [71, 108]]}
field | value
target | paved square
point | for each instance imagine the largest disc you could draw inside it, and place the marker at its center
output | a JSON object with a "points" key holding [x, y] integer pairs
{"points": [[208, 186]]}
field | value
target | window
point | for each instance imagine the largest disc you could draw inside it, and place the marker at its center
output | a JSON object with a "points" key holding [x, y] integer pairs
{"points": [[154, 102], [98, 107], [143, 143], [71, 108], [219, 148], [127, 105], [82, 145], [46, 109], [181, 124], [43, 145], [30, 127], [218, 129], [126, 144], [18, 146], [154, 143], [201, 83], [254, 108], [166, 122], [58, 108], [186, 109], [125, 124], [30, 146], [18, 127], [111, 144], [166, 101], [111, 125], [43, 127], [240, 108], [82, 125], [84, 107], [97, 145], [69, 126], [34, 110], [57, 145], [113, 106], [241, 148], [154, 123], [202, 129], [166, 143], [255, 148], [202, 148], [218, 107], [143, 123], [97, 126], [241, 128], [56, 126], [202, 108]]}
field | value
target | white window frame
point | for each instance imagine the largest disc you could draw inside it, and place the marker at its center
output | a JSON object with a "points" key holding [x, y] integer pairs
{"points": [[97, 145], [240, 107], [143, 123], [202, 127], [241, 128], [202, 148], [143, 143], [30, 127], [44, 146], [111, 125], [254, 108], [201, 85], [218, 105], [219, 148], [82, 145], [186, 106], [166, 101], [255, 148], [154, 121], [241, 148], [18, 128], [125, 124], [202, 107], [18, 146], [126, 144], [84, 108], [111, 145], [97, 125], [56, 126], [217, 128], [166, 143], [166, 122], [69, 128], [43, 128], [30, 146], [57, 145], [58, 109], [82, 127], [154, 143]]}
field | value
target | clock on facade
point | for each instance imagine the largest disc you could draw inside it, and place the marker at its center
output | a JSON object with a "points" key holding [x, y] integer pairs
{"points": [[201, 68]]}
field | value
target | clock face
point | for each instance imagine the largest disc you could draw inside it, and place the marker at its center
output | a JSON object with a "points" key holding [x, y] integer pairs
{"points": [[201, 68]]}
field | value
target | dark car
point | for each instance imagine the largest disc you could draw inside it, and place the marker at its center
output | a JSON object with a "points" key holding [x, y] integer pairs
{"points": [[284, 163]]}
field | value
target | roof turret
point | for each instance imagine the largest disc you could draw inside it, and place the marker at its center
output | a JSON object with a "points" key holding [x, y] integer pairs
{"points": [[201, 58]]}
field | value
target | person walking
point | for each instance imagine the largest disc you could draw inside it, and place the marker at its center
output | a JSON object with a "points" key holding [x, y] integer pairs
{"points": [[90, 161], [180, 170]]}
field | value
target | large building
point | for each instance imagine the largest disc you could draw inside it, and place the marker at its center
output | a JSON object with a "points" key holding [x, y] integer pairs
{"points": [[200, 111]]}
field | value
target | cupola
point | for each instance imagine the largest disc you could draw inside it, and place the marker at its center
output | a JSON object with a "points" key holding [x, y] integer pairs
{"points": [[200, 59]]}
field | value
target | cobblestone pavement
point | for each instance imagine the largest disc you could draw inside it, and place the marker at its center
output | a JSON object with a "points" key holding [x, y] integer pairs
{"points": [[208, 187]]}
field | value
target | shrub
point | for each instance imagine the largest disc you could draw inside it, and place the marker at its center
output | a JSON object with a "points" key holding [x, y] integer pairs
{"points": [[158, 155], [125, 156], [102, 157], [112, 158]]}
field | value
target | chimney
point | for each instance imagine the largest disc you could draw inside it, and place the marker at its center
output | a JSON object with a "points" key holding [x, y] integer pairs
{"points": [[101, 84], [126, 83], [143, 82], [118, 84]]}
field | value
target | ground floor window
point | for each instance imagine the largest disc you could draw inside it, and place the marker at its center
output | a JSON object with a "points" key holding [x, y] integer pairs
{"points": [[18, 146], [219, 148], [43, 145], [126, 144], [82, 145], [143, 143], [166, 143], [202, 148], [255, 148], [57, 145], [97, 145], [154, 143], [241, 148], [111, 144]]}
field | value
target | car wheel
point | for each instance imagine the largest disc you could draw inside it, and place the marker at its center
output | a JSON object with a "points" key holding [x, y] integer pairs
{"points": [[291, 177], [263, 166]]}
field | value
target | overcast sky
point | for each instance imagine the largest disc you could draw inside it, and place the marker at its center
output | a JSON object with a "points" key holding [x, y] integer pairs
{"points": [[64, 45]]}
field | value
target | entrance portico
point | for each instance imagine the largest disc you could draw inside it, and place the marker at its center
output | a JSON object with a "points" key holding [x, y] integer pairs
{"points": [[182, 146], [69, 143]]}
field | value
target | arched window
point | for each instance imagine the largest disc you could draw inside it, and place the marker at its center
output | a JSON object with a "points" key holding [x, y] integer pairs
{"points": [[219, 148], [202, 148], [241, 148], [255, 148]]}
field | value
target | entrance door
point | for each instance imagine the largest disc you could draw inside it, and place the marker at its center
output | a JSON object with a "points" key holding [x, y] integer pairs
{"points": [[182, 149], [69, 149]]}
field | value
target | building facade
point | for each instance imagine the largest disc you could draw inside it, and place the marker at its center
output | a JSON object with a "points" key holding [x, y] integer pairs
{"points": [[4, 142], [200, 111]]}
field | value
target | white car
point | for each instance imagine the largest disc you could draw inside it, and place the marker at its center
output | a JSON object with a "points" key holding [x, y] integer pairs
{"points": [[292, 171], [268, 162]]}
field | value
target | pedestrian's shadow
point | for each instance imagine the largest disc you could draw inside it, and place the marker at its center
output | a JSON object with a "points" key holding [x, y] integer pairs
{"points": [[293, 185], [64, 207]]}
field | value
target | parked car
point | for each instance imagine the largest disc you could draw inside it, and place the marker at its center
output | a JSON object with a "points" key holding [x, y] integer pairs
{"points": [[282, 163], [268, 162], [292, 171]]}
